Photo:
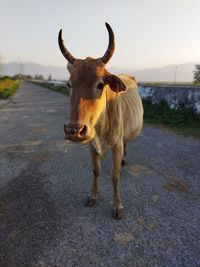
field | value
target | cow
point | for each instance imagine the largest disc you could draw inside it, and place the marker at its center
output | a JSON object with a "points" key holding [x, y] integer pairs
{"points": [[105, 111]]}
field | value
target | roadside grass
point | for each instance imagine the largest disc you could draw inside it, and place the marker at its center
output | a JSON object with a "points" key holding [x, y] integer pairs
{"points": [[62, 89], [188, 130], [172, 84], [182, 120], [8, 87]]}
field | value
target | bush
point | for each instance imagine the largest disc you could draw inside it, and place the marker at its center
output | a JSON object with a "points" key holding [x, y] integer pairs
{"points": [[161, 112]]}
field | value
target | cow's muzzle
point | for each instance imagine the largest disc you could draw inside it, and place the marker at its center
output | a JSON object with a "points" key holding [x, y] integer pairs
{"points": [[76, 132]]}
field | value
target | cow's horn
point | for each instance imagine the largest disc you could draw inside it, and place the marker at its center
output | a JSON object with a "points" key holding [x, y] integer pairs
{"points": [[111, 46], [64, 50]]}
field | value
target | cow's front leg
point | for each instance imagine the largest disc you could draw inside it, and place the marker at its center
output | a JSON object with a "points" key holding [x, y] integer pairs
{"points": [[96, 160], [117, 153]]}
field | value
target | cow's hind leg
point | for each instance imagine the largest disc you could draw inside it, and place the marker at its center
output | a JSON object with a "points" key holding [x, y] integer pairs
{"points": [[117, 153], [96, 160], [124, 156]]}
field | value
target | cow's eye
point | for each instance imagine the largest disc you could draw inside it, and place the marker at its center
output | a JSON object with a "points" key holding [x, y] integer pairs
{"points": [[68, 85], [100, 86]]}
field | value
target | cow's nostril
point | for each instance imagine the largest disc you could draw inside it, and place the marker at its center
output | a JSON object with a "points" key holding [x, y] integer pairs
{"points": [[75, 129], [83, 130], [68, 129]]}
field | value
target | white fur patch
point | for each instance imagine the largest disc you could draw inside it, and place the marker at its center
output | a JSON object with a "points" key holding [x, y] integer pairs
{"points": [[96, 144]]}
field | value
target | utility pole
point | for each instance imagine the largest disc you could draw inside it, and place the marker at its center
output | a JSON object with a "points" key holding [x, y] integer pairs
{"points": [[175, 73], [21, 70]]}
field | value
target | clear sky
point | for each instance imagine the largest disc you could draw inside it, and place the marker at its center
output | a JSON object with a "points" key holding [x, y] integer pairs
{"points": [[149, 33]]}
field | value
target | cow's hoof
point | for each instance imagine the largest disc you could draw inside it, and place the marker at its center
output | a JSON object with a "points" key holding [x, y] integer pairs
{"points": [[118, 214], [90, 202], [124, 162]]}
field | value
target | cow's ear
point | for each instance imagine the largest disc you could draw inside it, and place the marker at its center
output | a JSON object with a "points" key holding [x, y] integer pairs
{"points": [[115, 83], [70, 67]]}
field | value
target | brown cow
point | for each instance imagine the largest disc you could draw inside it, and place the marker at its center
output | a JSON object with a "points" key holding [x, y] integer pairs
{"points": [[104, 109]]}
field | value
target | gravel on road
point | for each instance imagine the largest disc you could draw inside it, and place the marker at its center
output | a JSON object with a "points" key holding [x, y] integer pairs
{"points": [[45, 180]]}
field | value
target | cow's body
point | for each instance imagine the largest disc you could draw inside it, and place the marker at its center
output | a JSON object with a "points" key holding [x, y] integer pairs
{"points": [[122, 118], [106, 111]]}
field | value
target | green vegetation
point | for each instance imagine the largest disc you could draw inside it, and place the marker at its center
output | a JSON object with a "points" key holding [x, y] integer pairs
{"points": [[172, 84], [8, 86], [197, 74], [62, 89], [183, 119]]}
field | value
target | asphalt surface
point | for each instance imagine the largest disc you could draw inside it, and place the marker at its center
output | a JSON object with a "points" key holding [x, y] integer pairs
{"points": [[45, 180]]}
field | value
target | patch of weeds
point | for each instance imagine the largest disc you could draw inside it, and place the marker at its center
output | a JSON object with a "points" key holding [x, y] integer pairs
{"points": [[62, 89]]}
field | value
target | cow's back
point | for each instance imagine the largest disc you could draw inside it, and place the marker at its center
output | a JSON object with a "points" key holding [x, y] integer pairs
{"points": [[132, 110]]}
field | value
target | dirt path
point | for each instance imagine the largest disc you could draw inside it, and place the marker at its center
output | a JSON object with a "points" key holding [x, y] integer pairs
{"points": [[45, 180]]}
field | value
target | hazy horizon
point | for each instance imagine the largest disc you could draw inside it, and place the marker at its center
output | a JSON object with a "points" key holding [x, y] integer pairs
{"points": [[149, 34], [171, 73], [111, 66]]}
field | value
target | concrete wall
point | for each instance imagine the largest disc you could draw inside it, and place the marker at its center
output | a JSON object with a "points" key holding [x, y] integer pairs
{"points": [[190, 95]]}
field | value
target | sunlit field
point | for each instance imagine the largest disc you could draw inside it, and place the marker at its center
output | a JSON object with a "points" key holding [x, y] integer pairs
{"points": [[8, 87]]}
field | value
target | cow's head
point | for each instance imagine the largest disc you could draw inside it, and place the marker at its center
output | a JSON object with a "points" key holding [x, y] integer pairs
{"points": [[89, 82]]}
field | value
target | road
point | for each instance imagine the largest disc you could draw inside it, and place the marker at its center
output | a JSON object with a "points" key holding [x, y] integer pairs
{"points": [[45, 180]]}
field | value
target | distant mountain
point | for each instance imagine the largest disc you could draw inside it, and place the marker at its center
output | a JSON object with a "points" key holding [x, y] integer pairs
{"points": [[33, 69], [182, 72]]}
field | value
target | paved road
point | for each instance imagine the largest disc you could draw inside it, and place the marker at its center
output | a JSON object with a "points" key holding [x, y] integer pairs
{"points": [[45, 180]]}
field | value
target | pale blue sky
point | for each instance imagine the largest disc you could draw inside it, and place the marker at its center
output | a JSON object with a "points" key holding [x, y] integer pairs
{"points": [[149, 33]]}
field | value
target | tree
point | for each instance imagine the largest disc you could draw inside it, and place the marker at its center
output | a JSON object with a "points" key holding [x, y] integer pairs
{"points": [[1, 66], [197, 74], [40, 77]]}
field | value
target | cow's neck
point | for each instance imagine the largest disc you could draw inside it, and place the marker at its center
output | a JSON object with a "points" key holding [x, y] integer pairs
{"points": [[108, 127]]}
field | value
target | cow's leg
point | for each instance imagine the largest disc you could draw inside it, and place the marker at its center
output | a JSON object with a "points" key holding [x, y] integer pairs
{"points": [[124, 155], [117, 153], [96, 161]]}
